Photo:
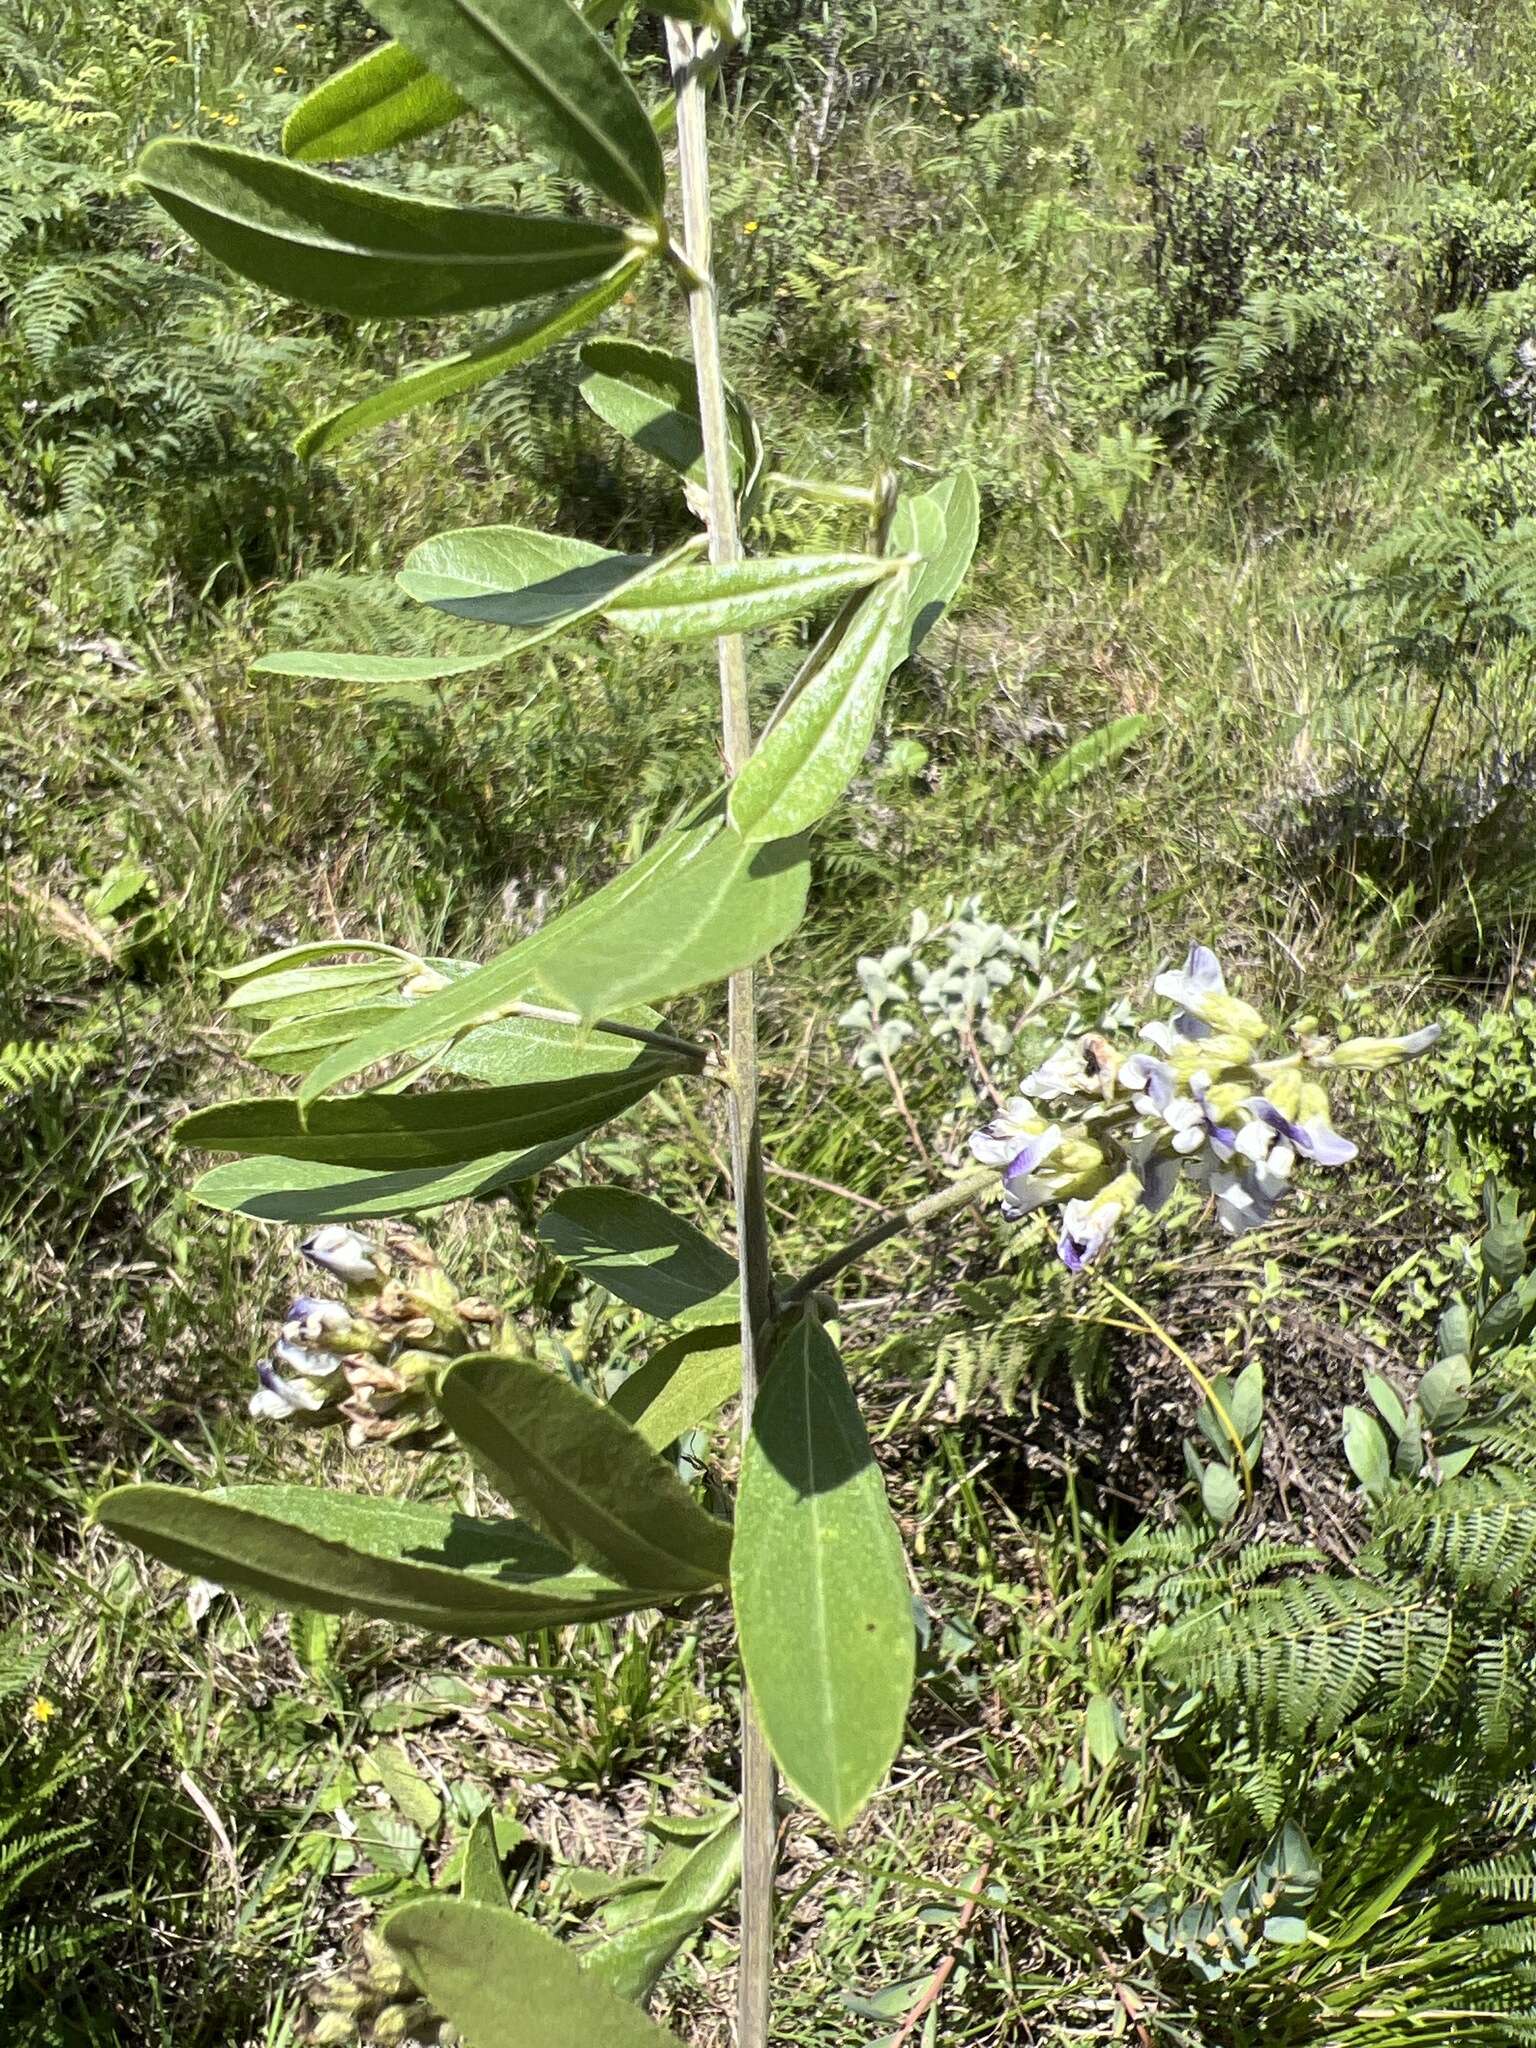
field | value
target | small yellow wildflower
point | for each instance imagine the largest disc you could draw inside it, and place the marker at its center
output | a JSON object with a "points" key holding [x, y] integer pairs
{"points": [[953, 376], [279, 70], [749, 227], [42, 1710]]}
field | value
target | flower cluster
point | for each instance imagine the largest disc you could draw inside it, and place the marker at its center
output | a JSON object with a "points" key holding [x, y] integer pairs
{"points": [[1105, 1132], [371, 1359]]}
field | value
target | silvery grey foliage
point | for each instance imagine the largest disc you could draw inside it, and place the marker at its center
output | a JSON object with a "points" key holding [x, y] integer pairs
{"points": [[972, 984]]}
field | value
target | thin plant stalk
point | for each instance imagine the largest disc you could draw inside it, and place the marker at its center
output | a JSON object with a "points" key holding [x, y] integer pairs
{"points": [[690, 56]]}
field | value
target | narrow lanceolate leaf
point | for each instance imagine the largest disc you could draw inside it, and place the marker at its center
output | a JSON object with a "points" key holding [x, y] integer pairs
{"points": [[539, 68], [641, 1252], [583, 1475], [451, 376], [309, 1191], [699, 600], [353, 248], [423, 1567], [695, 908], [631, 1961], [309, 950], [310, 991], [819, 736], [819, 1583], [318, 664], [940, 525], [1091, 755], [502, 1982], [651, 397], [681, 1386], [385, 99], [448, 1127]]}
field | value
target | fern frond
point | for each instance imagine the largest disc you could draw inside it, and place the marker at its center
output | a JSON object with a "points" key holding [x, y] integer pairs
{"points": [[26, 1064]]}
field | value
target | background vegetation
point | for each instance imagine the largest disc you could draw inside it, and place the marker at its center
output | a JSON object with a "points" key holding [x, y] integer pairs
{"points": [[1232, 306]]}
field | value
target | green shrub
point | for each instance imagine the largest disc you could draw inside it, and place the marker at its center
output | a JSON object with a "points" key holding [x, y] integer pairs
{"points": [[1484, 1089], [1474, 245], [1265, 297]]}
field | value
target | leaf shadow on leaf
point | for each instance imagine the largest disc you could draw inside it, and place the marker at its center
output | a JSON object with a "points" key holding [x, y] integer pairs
{"points": [[812, 1462], [539, 604], [504, 1549]]}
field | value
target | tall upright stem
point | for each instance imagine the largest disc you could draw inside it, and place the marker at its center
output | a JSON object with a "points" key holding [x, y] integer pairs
{"points": [[690, 53]]}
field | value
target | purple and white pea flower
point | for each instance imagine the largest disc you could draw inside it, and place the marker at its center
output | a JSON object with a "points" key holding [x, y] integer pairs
{"points": [[1199, 988], [1087, 1223], [302, 1359], [346, 1255], [1313, 1137], [279, 1400], [1068, 1071], [1019, 1141]]}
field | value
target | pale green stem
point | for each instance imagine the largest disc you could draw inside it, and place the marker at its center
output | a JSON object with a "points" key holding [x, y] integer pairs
{"points": [[691, 56], [971, 1187]]}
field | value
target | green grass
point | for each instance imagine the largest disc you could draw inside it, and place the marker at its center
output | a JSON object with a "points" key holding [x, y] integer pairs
{"points": [[944, 264]]}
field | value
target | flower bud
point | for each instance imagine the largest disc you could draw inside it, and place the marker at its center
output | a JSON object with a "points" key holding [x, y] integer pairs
{"points": [[320, 1324], [1371, 1055], [332, 2030], [384, 1974]]}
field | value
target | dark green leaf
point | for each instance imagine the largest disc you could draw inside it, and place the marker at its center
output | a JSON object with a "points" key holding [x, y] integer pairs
{"points": [[544, 72], [575, 1467], [692, 910], [819, 1582], [505, 1983], [309, 1191], [641, 1252], [386, 98], [451, 376], [1442, 1393], [1385, 1400], [1220, 1492], [354, 248], [681, 1386], [817, 740], [445, 1127], [631, 1961], [395, 1560]]}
